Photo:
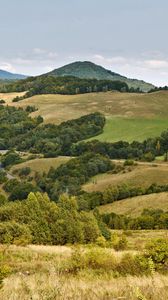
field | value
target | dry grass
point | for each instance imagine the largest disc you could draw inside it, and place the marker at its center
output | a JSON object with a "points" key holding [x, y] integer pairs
{"points": [[129, 116], [141, 175], [42, 164], [38, 274], [53, 286], [58, 108], [134, 206], [8, 97]]}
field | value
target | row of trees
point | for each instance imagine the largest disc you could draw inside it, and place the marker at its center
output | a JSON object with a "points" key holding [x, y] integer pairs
{"points": [[66, 85], [149, 219], [89, 201], [40, 221], [146, 150]]}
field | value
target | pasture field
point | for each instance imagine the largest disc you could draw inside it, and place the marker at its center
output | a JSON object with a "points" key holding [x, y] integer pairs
{"points": [[129, 116], [129, 129], [44, 273], [142, 175], [8, 97], [41, 164], [134, 206]]}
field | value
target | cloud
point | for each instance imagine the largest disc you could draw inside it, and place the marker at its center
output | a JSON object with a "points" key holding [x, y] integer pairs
{"points": [[107, 60], [156, 64], [52, 54], [151, 67], [39, 51], [7, 67], [44, 53]]}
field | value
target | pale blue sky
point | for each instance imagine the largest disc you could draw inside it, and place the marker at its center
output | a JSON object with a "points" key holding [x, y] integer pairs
{"points": [[126, 36]]}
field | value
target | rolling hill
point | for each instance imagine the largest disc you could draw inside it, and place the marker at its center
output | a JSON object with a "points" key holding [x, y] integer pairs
{"points": [[129, 116], [134, 206], [90, 70], [4, 75]]}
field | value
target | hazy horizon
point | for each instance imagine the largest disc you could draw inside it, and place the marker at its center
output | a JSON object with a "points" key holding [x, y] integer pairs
{"points": [[123, 36]]}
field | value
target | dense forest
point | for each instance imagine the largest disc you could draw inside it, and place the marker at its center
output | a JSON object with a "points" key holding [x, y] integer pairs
{"points": [[67, 85]]}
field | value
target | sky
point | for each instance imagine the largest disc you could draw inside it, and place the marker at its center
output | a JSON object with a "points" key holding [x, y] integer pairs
{"points": [[126, 36]]}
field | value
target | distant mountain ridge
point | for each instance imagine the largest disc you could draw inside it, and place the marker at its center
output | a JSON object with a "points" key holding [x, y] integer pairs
{"points": [[90, 70], [4, 75]]}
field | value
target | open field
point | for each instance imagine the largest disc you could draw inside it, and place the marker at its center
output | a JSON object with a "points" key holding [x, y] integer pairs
{"points": [[134, 206], [129, 129], [41, 273], [142, 175], [129, 116], [41, 164], [8, 97]]}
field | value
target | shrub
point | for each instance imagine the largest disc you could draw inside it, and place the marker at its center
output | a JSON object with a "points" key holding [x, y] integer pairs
{"points": [[120, 243], [129, 162], [2, 101], [157, 250], [25, 171], [4, 272], [12, 231], [3, 200], [132, 265], [149, 156], [101, 242]]}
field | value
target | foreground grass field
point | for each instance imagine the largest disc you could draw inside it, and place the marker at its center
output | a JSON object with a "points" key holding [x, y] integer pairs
{"points": [[141, 175], [129, 116], [134, 206], [41, 273]]}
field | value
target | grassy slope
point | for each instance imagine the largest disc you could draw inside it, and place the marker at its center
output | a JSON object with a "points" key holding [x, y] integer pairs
{"points": [[8, 97], [37, 275], [134, 206], [128, 129], [141, 175], [129, 116], [41, 164]]}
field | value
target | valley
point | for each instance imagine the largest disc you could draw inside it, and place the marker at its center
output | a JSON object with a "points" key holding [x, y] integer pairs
{"points": [[75, 213]]}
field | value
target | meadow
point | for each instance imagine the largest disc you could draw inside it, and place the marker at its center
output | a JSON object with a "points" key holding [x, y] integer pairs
{"points": [[140, 175], [134, 206], [49, 272], [129, 116], [41, 164]]}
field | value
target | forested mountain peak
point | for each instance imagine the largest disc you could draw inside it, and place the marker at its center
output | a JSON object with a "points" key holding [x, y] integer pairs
{"points": [[87, 69]]}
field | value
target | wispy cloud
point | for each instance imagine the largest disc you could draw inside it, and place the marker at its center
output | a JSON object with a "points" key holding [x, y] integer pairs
{"points": [[6, 66], [150, 66]]}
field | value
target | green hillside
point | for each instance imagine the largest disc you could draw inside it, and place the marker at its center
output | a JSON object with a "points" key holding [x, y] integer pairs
{"points": [[88, 69]]}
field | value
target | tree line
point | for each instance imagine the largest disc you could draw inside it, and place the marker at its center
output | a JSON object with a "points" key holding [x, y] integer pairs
{"points": [[66, 85]]}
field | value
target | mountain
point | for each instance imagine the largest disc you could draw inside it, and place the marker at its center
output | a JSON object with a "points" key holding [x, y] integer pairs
{"points": [[88, 70], [4, 75]]}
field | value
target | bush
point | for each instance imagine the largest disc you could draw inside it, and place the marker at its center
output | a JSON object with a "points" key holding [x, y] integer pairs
{"points": [[157, 250], [3, 177], [133, 265], [101, 242], [120, 244], [149, 156], [24, 171], [12, 231], [3, 200], [4, 272], [129, 162], [2, 101]]}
